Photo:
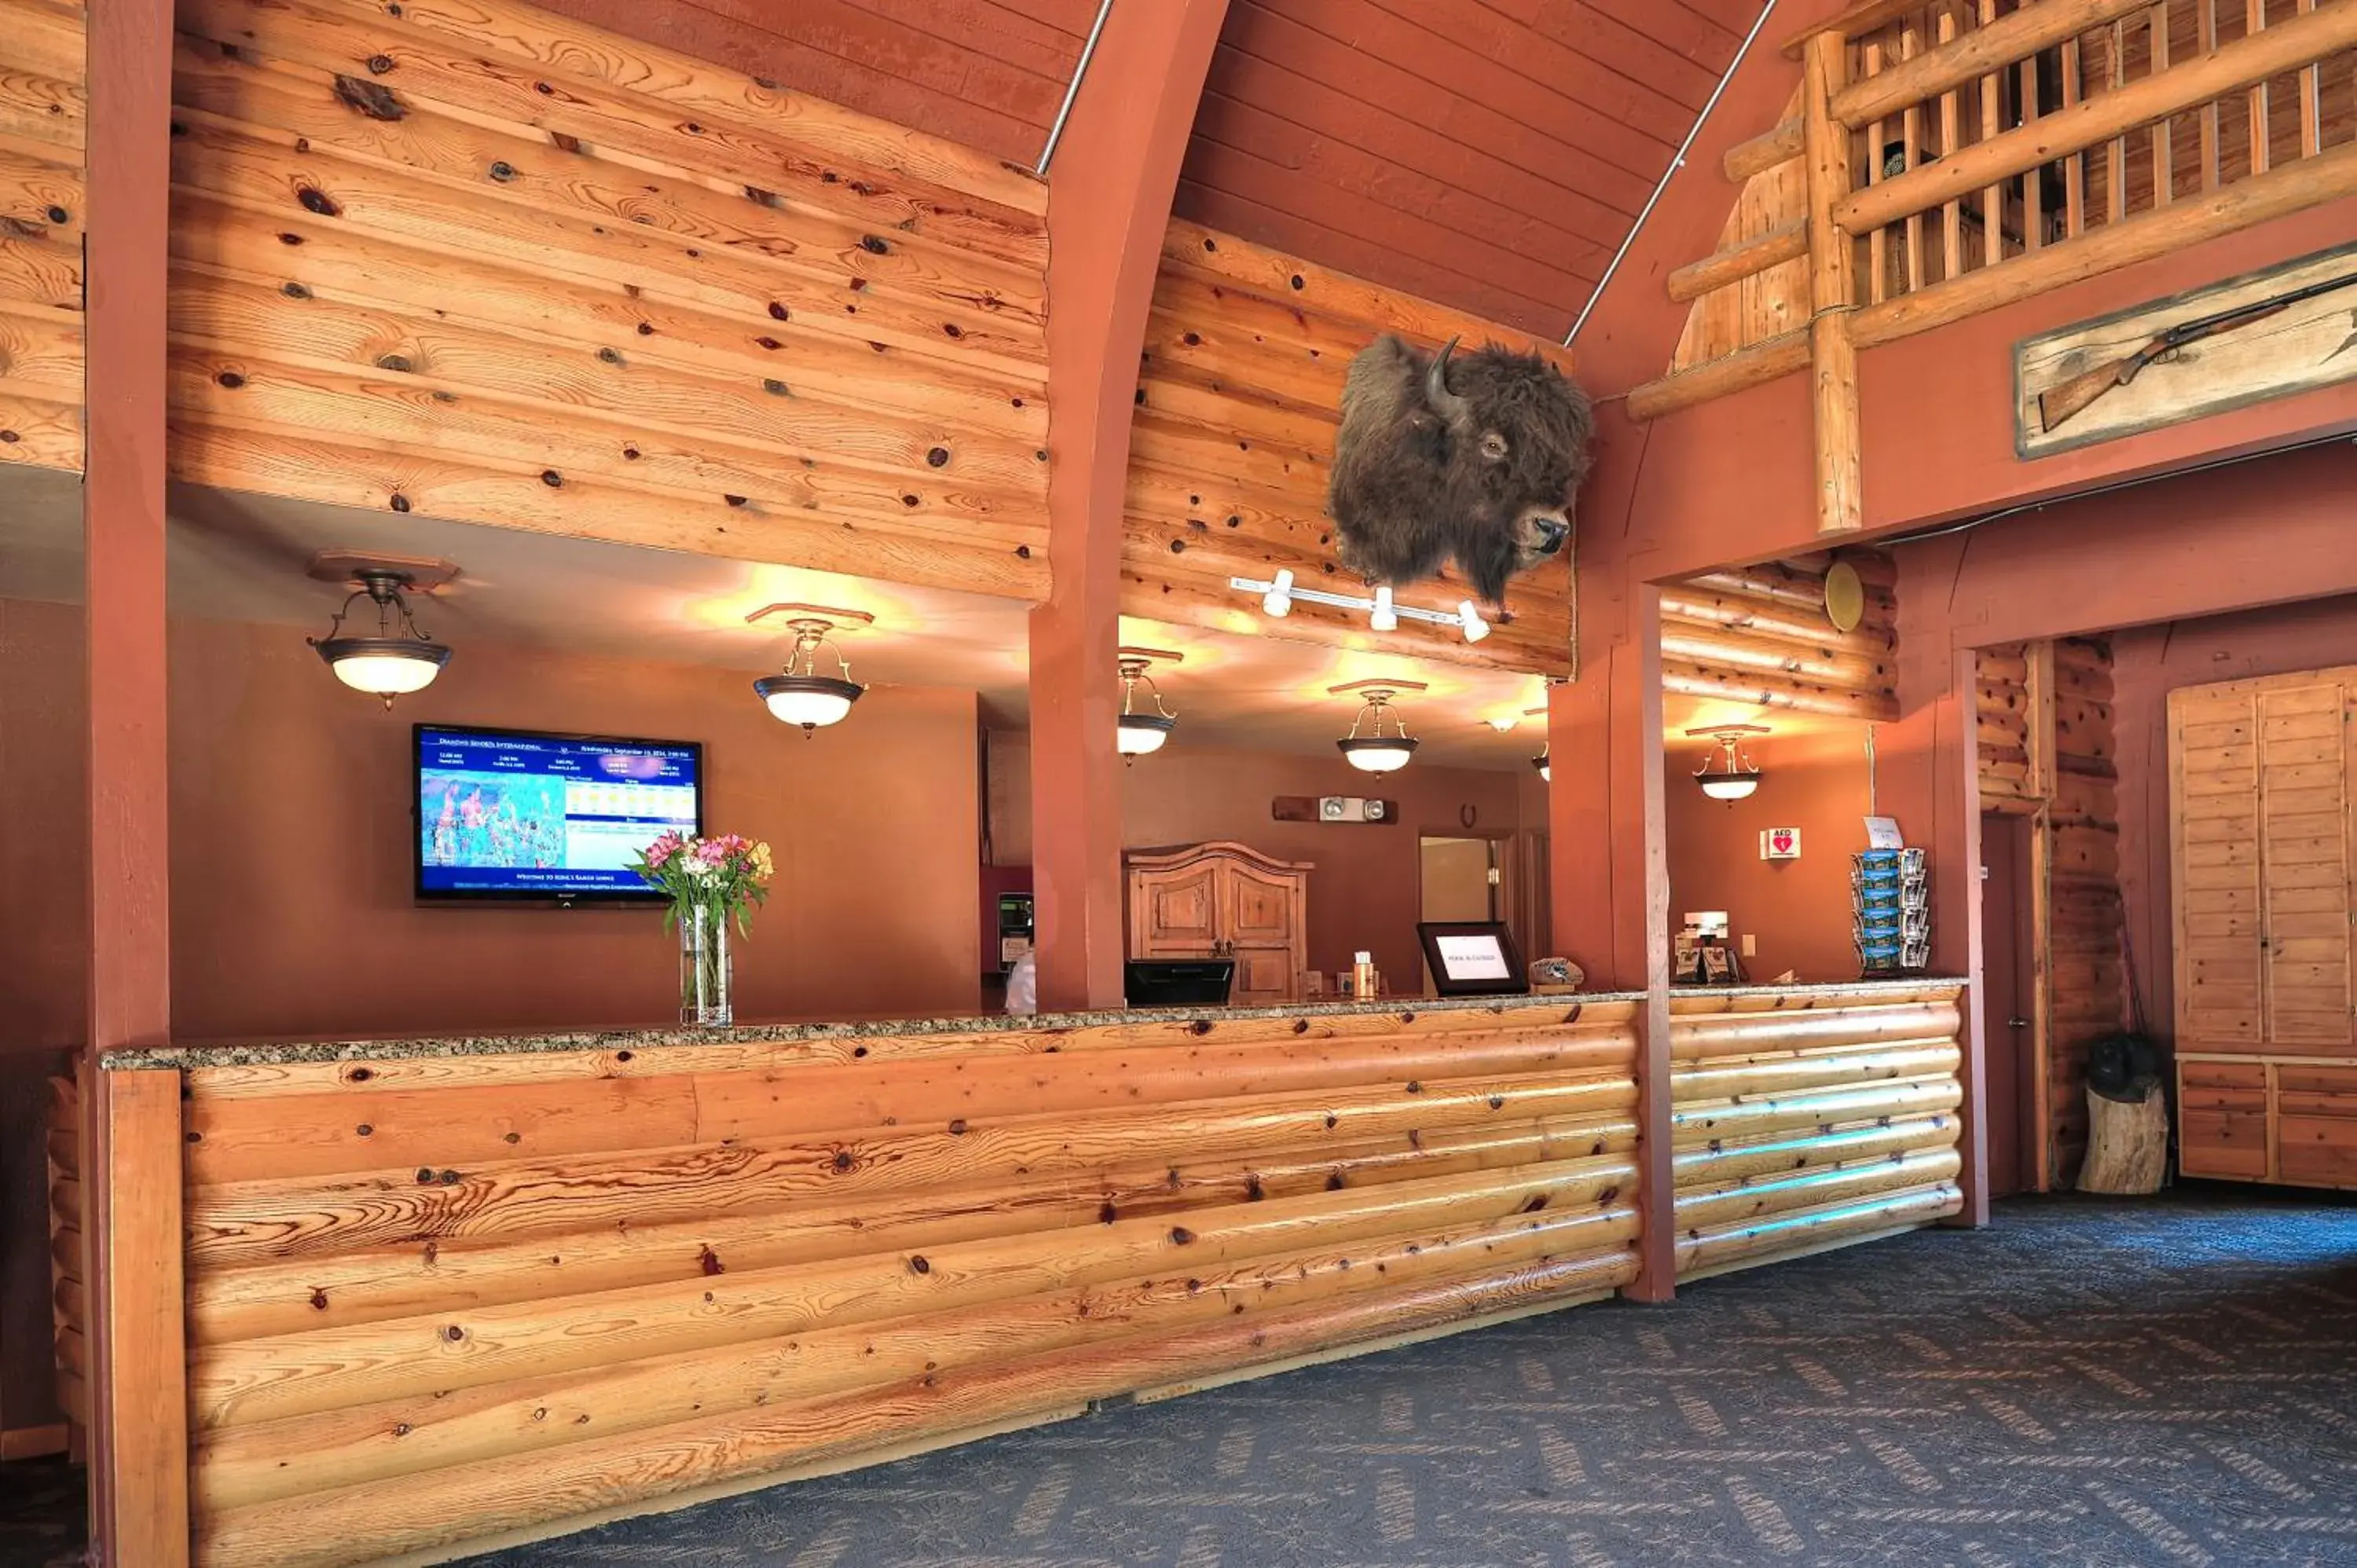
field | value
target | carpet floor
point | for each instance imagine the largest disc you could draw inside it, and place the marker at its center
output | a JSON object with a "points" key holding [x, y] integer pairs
{"points": [[2171, 1382]]}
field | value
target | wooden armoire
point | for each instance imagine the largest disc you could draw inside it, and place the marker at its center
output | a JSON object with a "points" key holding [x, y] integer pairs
{"points": [[1224, 900], [2263, 796]]}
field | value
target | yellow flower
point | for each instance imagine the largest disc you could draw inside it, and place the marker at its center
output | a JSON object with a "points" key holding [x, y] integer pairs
{"points": [[762, 863]]}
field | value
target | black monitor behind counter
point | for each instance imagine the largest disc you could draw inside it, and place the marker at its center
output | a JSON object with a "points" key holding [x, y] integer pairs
{"points": [[1178, 983]]}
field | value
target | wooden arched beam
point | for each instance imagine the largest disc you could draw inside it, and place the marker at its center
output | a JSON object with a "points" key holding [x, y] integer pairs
{"points": [[1109, 194]]}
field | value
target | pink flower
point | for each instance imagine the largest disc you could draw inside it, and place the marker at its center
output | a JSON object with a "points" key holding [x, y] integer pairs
{"points": [[661, 850], [712, 852]]}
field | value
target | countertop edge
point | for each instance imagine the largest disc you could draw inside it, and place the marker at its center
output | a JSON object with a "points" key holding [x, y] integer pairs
{"points": [[284, 1053]]}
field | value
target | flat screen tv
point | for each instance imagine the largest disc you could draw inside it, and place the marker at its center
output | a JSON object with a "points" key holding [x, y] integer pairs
{"points": [[521, 816]]}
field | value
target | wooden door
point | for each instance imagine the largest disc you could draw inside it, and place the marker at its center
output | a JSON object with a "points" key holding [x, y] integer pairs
{"points": [[1177, 913], [1263, 924], [2214, 828], [2008, 971], [2304, 861]]}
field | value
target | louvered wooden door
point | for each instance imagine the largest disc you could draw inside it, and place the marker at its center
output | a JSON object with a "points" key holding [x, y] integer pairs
{"points": [[2264, 808], [2303, 831], [2214, 766]]}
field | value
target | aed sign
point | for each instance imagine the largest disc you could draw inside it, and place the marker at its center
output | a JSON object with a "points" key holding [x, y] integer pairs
{"points": [[1779, 844]]}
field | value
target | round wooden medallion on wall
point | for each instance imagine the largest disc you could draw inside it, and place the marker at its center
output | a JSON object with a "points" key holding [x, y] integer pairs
{"points": [[1844, 596]]}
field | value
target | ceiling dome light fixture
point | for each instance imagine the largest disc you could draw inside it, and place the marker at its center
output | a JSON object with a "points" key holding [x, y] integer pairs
{"points": [[399, 659], [801, 695], [1141, 732], [1728, 774], [1367, 747]]}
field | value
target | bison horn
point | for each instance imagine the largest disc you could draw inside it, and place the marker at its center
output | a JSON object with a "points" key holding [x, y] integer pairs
{"points": [[1446, 404]]}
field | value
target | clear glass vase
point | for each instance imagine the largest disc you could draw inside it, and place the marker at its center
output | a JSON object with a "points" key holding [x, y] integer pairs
{"points": [[705, 1000]]}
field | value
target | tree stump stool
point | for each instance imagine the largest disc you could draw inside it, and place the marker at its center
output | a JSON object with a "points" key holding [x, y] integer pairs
{"points": [[2127, 1144]]}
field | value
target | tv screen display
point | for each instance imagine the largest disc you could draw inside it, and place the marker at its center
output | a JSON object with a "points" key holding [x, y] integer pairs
{"points": [[515, 814]]}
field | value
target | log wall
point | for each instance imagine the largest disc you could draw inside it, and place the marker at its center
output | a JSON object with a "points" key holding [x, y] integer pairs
{"points": [[485, 263], [1759, 636], [2046, 752], [1239, 395], [1803, 1119], [43, 108], [433, 1299]]}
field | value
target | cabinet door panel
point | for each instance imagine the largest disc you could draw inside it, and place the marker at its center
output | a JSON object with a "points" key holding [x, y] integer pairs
{"points": [[1263, 976], [2214, 763], [1262, 909], [2304, 875], [1181, 915], [2232, 1144]]}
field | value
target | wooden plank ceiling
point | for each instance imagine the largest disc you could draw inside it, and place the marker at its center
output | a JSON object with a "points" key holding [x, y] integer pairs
{"points": [[989, 73], [1487, 155]]}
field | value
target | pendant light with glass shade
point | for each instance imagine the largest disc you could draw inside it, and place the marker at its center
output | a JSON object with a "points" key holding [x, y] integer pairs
{"points": [[1367, 747], [802, 695], [1730, 774], [398, 659], [1141, 732]]}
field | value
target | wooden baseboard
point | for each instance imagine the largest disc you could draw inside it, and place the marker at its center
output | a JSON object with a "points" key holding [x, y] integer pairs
{"points": [[32, 1441]]}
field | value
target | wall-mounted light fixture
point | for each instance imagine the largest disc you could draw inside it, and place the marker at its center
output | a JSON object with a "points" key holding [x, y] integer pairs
{"points": [[1367, 747], [1142, 731], [802, 695], [1278, 596], [398, 659], [1728, 774]]}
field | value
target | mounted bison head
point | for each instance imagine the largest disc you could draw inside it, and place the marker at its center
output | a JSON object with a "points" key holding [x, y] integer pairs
{"points": [[1475, 457]]}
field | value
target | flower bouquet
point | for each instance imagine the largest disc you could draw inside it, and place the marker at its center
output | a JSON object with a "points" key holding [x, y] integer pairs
{"points": [[712, 884]]}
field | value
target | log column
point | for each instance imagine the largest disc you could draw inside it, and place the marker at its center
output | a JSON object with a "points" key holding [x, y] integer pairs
{"points": [[1928, 775], [1609, 865], [1833, 353], [139, 1456], [1109, 193]]}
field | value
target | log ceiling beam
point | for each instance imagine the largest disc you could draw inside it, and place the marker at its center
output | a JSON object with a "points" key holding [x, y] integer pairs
{"points": [[1109, 195]]}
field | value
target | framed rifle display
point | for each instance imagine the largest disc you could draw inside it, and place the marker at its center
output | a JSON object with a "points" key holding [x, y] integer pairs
{"points": [[2288, 328]]}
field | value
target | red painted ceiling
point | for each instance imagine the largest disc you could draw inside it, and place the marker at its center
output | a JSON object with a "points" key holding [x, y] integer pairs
{"points": [[1488, 154], [989, 73]]}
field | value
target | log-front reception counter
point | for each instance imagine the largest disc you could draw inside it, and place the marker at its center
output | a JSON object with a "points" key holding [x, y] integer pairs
{"points": [[440, 1292]]}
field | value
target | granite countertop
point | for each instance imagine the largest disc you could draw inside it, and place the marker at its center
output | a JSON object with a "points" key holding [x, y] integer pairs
{"points": [[1821, 987], [285, 1052]]}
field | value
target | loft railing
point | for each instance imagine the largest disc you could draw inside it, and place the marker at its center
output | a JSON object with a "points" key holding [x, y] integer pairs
{"points": [[1959, 156]]}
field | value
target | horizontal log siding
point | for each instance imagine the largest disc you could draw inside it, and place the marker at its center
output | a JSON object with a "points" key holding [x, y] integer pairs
{"points": [[431, 1301], [1239, 396], [1800, 1121], [1759, 636], [481, 262], [43, 112]]}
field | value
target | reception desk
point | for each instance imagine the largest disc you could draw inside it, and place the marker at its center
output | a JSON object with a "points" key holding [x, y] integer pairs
{"points": [[441, 1291]]}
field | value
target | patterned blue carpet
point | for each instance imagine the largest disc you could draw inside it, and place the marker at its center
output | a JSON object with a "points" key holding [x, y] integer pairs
{"points": [[2170, 1382]]}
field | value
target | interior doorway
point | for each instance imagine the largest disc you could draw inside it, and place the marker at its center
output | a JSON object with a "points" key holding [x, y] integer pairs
{"points": [[1462, 880], [2009, 1002]]}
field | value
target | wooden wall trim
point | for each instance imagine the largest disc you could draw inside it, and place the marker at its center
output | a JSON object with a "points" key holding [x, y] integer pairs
{"points": [[141, 1387]]}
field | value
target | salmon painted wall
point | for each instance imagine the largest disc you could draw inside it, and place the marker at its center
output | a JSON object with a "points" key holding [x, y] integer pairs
{"points": [[291, 906], [1363, 893], [2148, 663], [1797, 909]]}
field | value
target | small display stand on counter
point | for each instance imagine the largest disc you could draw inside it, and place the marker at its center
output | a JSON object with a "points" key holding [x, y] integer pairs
{"points": [[1891, 891]]}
